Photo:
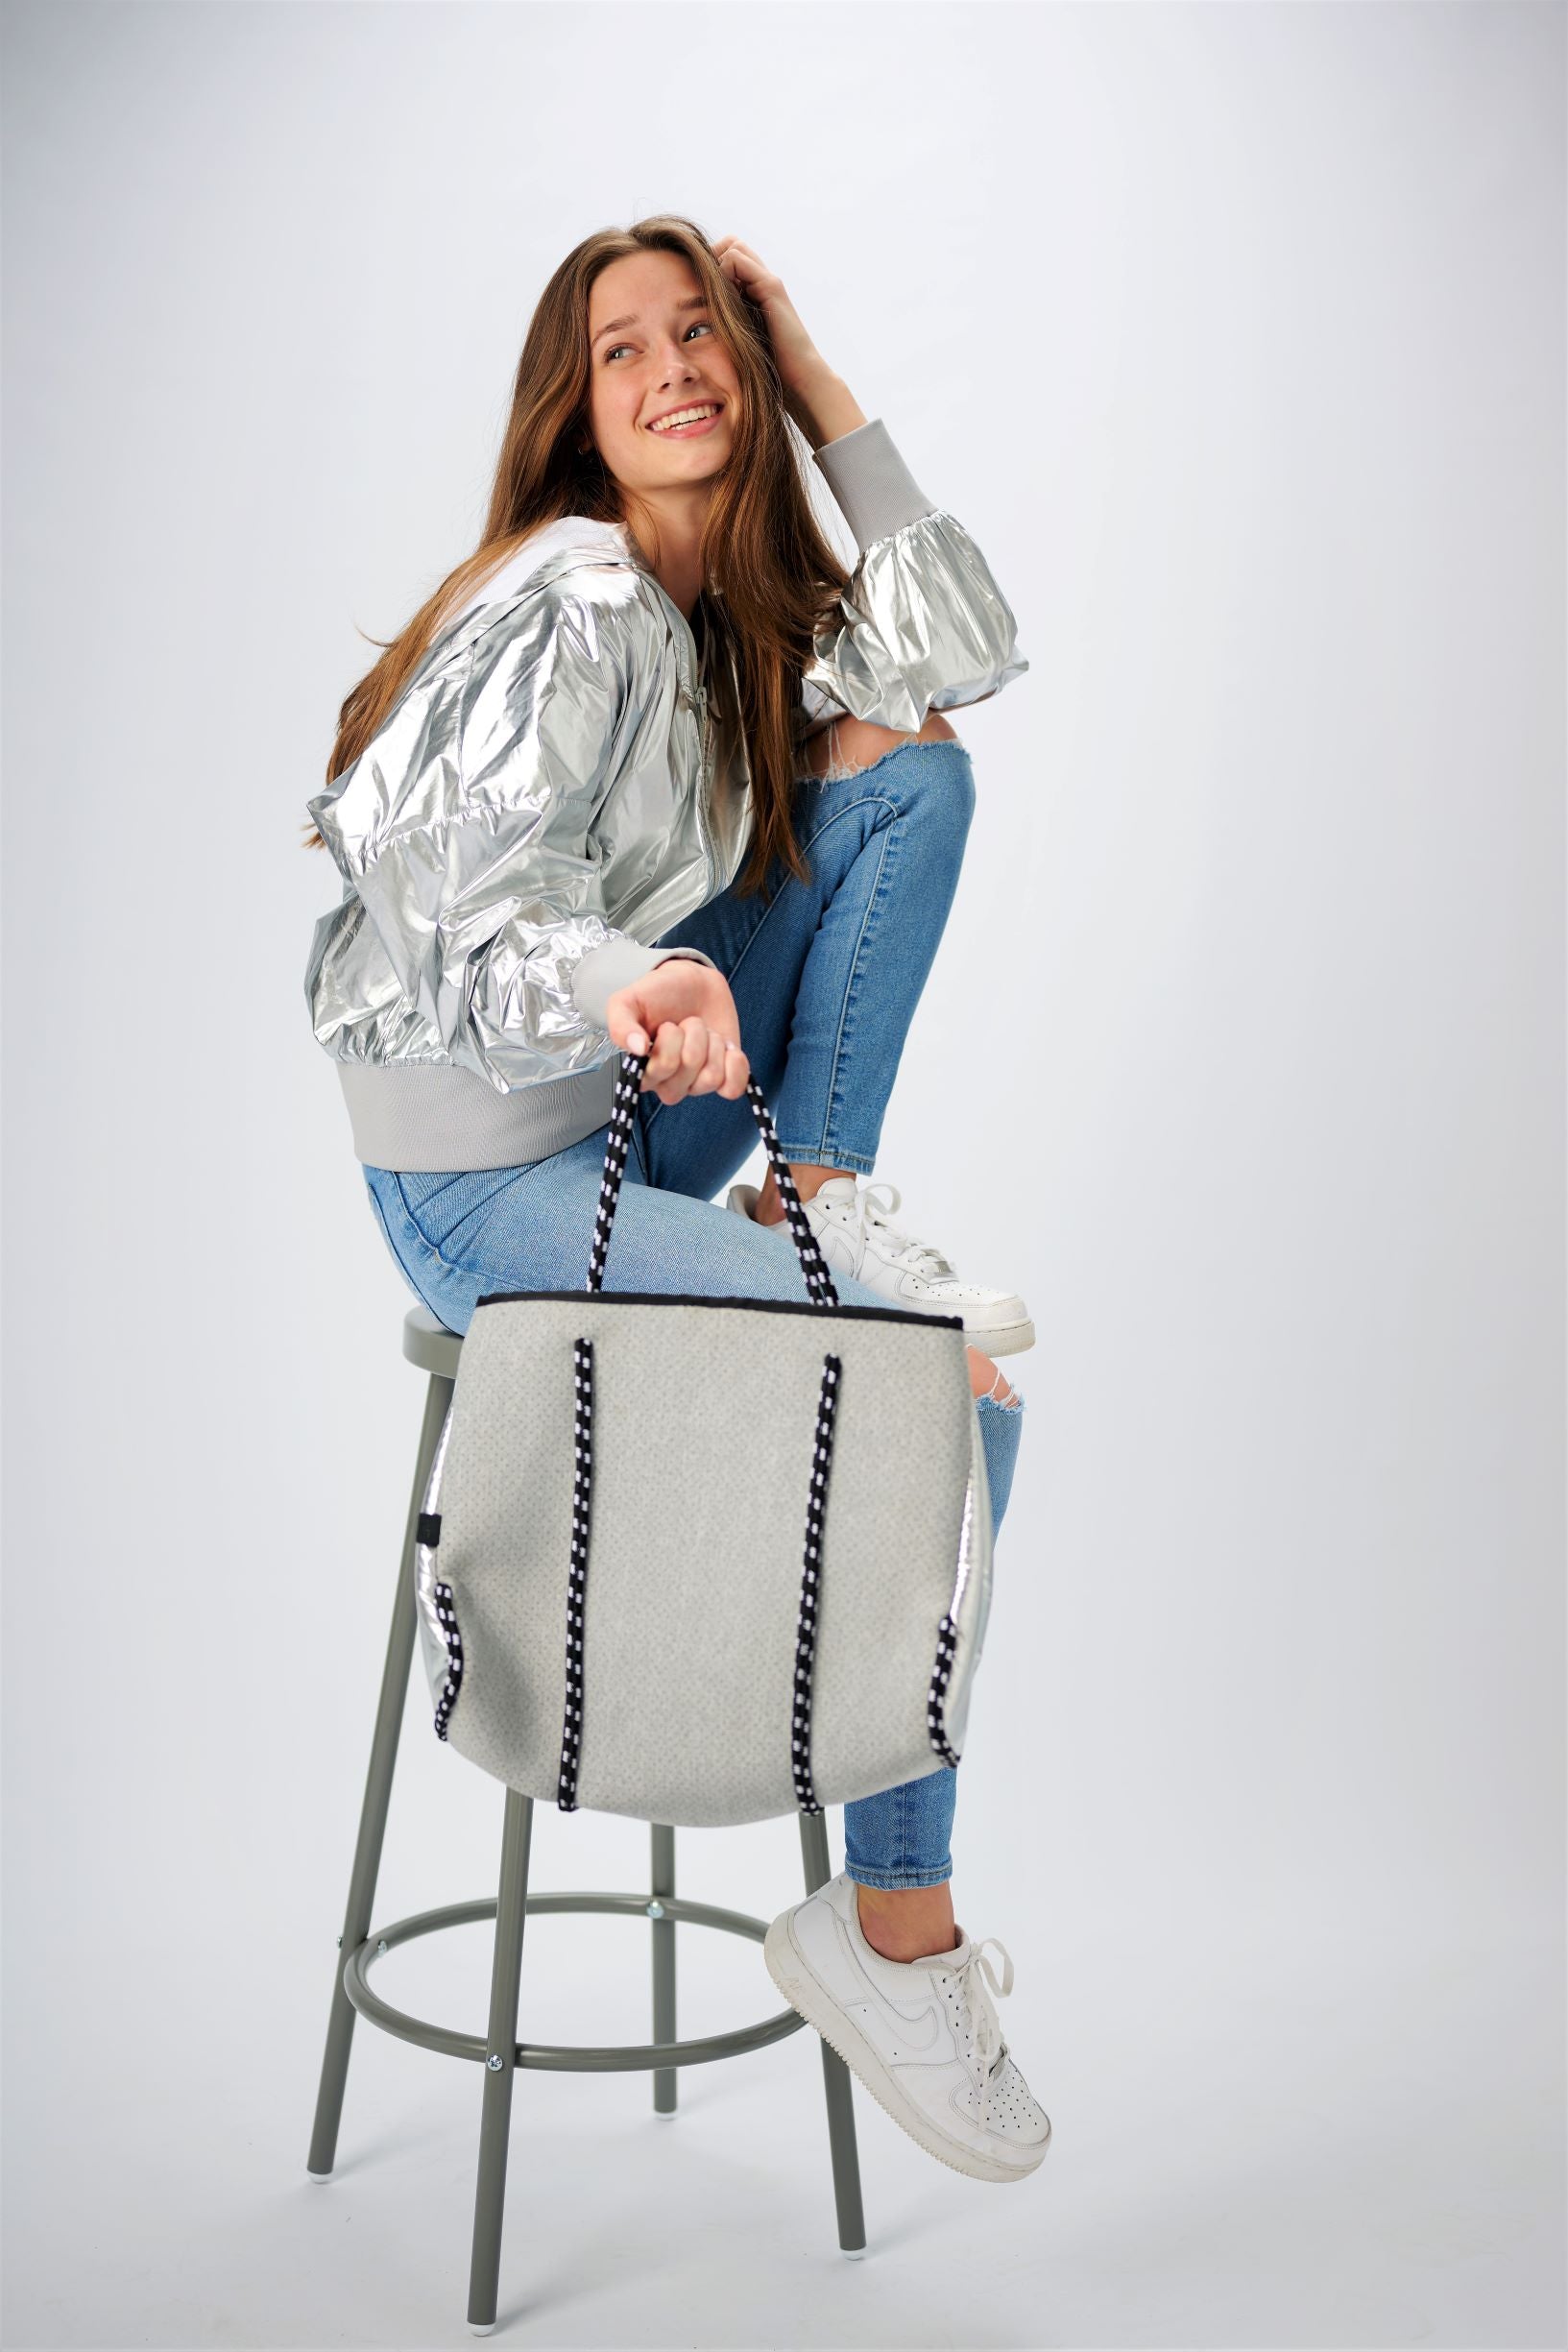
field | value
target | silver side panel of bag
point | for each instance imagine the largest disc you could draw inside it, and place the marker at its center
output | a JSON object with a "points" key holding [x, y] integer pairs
{"points": [[970, 1605], [432, 1636], [694, 1569]]}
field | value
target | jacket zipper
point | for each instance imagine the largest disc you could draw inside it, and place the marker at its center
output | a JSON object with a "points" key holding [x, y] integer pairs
{"points": [[699, 695]]}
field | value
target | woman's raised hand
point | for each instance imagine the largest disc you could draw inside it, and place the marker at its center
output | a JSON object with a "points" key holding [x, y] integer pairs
{"points": [[815, 398], [686, 1010]]}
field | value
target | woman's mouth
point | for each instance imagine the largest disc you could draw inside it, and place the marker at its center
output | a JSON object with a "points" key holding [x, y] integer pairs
{"points": [[685, 424]]}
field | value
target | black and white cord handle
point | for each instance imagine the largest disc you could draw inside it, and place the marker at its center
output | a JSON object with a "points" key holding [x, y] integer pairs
{"points": [[628, 1085]]}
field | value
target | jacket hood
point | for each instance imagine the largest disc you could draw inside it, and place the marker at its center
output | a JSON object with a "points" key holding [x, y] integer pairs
{"points": [[553, 548]]}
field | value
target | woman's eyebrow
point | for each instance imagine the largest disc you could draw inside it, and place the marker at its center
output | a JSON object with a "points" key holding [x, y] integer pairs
{"points": [[693, 301]]}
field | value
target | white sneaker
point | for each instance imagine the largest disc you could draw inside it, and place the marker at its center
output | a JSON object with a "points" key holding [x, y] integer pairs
{"points": [[921, 2035], [855, 1233]]}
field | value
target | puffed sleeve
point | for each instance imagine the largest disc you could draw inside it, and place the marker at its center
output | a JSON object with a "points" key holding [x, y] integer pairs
{"points": [[466, 829], [921, 625]]}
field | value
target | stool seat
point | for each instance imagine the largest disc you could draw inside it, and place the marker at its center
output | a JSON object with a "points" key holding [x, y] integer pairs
{"points": [[429, 1344]]}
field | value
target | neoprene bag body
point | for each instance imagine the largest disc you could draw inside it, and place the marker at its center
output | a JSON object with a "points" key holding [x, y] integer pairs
{"points": [[704, 1559]]}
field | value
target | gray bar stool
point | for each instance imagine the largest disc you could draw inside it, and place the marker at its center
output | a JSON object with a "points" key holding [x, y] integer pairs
{"points": [[436, 1350]]}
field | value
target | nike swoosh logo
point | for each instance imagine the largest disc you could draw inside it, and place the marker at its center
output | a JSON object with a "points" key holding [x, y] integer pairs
{"points": [[908, 2034], [915, 2033]]}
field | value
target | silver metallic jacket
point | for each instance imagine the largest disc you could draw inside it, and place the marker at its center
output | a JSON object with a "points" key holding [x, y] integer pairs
{"points": [[548, 795]]}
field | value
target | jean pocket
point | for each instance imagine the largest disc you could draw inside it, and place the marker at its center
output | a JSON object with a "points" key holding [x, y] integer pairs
{"points": [[450, 1210], [435, 1205], [444, 1289]]}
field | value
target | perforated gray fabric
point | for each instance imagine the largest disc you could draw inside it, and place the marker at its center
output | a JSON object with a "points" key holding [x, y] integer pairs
{"points": [[704, 1423]]}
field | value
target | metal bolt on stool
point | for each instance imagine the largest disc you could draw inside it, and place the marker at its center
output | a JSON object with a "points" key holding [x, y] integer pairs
{"points": [[436, 1350]]}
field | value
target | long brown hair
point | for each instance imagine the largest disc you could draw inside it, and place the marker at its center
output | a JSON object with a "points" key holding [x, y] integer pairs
{"points": [[771, 579]]}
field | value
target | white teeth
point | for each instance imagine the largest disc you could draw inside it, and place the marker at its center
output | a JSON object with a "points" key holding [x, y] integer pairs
{"points": [[684, 416]]}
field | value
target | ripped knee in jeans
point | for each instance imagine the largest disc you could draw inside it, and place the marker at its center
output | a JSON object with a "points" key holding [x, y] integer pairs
{"points": [[850, 744]]}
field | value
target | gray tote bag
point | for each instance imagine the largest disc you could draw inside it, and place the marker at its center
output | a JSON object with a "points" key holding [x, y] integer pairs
{"points": [[699, 1560]]}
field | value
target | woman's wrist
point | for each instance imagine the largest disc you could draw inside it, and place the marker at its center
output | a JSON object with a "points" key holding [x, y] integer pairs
{"points": [[828, 409]]}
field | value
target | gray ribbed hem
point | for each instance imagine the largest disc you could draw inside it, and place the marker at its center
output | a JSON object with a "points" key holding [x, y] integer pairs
{"points": [[416, 1116], [871, 482]]}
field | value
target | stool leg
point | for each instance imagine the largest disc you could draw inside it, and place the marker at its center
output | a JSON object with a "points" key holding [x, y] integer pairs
{"points": [[373, 1815], [835, 2075], [500, 2062], [663, 1966]]}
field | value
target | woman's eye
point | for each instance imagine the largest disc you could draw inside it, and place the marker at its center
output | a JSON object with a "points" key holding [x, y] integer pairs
{"points": [[705, 324]]}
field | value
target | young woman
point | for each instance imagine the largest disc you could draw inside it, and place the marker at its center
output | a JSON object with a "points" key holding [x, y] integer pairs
{"points": [[650, 774]]}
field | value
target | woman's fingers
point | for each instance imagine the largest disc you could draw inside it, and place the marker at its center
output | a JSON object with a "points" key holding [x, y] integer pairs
{"points": [[728, 1069], [664, 1056], [689, 1057], [693, 1048], [711, 1076], [736, 1073]]}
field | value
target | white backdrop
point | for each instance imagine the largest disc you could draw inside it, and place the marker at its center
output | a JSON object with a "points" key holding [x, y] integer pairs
{"points": [[1236, 335]]}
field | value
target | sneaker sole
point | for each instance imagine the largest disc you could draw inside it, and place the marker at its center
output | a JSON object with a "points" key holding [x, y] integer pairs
{"points": [[1004, 1340], [801, 1988]]}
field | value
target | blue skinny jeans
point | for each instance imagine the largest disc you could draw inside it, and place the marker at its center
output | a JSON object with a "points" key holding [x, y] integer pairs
{"points": [[825, 979]]}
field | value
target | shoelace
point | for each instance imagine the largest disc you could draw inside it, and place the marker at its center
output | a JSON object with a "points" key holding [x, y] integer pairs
{"points": [[920, 1256], [976, 2006]]}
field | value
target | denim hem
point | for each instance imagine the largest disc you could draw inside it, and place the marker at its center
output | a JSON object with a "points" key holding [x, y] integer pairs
{"points": [[824, 1155], [893, 1880]]}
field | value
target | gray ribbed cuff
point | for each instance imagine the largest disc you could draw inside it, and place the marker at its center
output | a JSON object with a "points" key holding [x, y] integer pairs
{"points": [[616, 965], [872, 483]]}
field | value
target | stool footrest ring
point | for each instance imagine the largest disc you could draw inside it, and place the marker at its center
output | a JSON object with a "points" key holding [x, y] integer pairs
{"points": [[563, 2057]]}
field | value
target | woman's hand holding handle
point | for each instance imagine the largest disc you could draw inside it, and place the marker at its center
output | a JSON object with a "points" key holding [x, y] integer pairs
{"points": [[686, 1011]]}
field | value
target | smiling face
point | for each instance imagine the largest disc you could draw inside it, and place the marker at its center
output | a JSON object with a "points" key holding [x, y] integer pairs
{"points": [[654, 351]]}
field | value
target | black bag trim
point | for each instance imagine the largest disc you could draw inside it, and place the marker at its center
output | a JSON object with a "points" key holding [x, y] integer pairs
{"points": [[764, 1306]]}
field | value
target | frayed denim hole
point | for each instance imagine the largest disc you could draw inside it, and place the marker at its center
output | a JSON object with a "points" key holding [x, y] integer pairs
{"points": [[840, 774]]}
